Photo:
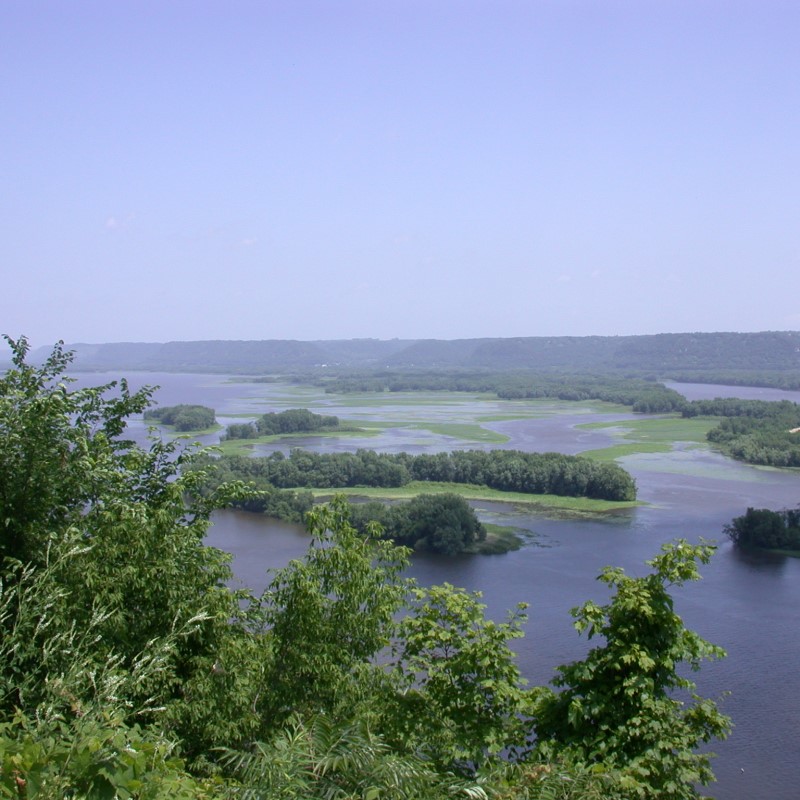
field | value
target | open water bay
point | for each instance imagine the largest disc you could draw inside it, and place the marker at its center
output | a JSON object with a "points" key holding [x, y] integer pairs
{"points": [[748, 604]]}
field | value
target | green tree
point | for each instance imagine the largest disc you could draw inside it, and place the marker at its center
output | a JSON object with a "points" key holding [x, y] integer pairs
{"points": [[54, 445], [184, 417], [461, 699], [134, 523], [73, 729], [618, 705], [121, 644], [762, 527], [442, 523], [320, 757], [329, 615]]}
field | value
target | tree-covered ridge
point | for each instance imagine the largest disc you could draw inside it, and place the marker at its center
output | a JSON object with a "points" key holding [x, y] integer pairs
{"points": [[129, 669], [505, 470], [762, 528], [659, 354], [183, 417], [293, 420]]}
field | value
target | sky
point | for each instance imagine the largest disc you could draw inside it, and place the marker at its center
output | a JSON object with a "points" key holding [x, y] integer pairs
{"points": [[300, 169]]}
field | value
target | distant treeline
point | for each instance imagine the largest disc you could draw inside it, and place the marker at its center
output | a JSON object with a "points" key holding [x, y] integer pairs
{"points": [[762, 528], [504, 470], [183, 417], [661, 354], [772, 379], [645, 396], [294, 420], [755, 431]]}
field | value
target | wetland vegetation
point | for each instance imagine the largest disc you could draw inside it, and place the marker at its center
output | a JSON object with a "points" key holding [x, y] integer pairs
{"points": [[755, 431], [443, 480]]}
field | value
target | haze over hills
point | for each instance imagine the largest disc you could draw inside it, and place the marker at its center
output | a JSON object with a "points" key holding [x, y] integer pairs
{"points": [[659, 354]]}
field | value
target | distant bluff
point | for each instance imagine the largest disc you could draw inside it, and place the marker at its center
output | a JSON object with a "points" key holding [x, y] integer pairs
{"points": [[657, 354]]}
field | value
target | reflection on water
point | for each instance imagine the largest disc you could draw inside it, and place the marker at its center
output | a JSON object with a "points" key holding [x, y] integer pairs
{"points": [[757, 561], [710, 391]]}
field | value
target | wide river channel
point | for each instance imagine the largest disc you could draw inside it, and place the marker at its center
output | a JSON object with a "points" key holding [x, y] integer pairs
{"points": [[748, 604]]}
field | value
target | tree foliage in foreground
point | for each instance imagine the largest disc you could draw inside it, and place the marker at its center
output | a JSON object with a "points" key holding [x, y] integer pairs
{"points": [[618, 706], [129, 669]]}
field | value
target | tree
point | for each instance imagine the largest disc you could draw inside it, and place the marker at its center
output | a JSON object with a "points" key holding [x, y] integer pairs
{"points": [[121, 644], [184, 417], [442, 523], [293, 420], [133, 523], [329, 615], [73, 730], [618, 706], [761, 527], [53, 444], [461, 699]]}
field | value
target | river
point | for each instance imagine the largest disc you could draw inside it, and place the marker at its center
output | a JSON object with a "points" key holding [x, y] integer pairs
{"points": [[748, 604]]}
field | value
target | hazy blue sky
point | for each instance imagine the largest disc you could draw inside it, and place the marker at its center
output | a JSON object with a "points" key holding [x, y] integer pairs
{"points": [[398, 168]]}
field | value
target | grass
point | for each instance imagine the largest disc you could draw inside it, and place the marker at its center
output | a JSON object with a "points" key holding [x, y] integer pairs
{"points": [[509, 417], [541, 502], [230, 447], [652, 435], [619, 450], [407, 398], [465, 431], [499, 539]]}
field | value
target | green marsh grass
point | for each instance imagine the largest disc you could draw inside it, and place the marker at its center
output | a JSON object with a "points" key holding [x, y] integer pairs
{"points": [[242, 446], [540, 502], [650, 435], [499, 539]]}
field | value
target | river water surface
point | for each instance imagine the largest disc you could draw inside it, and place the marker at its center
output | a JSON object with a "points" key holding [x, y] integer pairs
{"points": [[748, 604]]}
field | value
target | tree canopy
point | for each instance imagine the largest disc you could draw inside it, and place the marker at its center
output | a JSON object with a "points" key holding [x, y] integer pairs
{"points": [[293, 420], [504, 470], [440, 523], [183, 417], [766, 529]]}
